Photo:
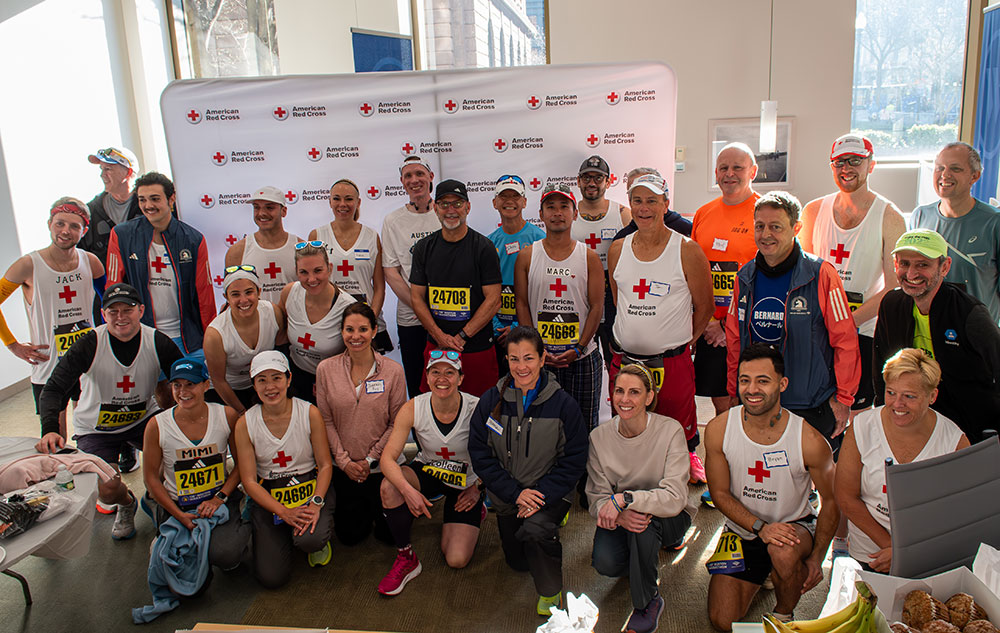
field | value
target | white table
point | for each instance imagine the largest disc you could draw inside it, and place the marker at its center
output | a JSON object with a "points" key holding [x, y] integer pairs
{"points": [[66, 535]]}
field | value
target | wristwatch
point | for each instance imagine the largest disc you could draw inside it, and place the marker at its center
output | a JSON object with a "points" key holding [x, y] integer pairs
{"points": [[222, 496], [462, 335], [758, 525], [627, 496], [317, 501], [371, 460]]}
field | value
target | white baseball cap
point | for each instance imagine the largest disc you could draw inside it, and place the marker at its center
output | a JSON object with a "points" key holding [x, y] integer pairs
{"points": [[509, 182], [271, 359], [851, 145], [269, 194], [654, 183]]}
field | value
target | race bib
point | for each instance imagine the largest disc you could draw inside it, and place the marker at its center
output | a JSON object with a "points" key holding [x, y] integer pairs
{"points": [[451, 473], [198, 479], [728, 556], [117, 416], [559, 330], [723, 279], [854, 300], [69, 333], [291, 491], [507, 307], [450, 304], [654, 365]]}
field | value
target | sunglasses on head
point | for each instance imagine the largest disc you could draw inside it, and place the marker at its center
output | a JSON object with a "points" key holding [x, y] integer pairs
{"points": [[245, 267], [313, 243], [450, 354], [516, 179]]}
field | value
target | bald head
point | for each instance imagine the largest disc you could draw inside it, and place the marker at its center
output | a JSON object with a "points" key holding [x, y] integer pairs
{"points": [[735, 169]]}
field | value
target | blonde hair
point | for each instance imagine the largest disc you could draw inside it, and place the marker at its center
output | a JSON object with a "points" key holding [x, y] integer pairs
{"points": [[308, 250], [913, 361], [348, 181], [645, 376]]}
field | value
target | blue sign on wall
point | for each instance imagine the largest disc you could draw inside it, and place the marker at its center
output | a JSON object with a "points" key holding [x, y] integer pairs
{"points": [[379, 53]]}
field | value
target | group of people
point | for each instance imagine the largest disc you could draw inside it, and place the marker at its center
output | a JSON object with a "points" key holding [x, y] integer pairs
{"points": [[785, 316]]}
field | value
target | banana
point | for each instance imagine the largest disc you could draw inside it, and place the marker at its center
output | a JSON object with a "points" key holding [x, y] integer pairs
{"points": [[857, 617], [828, 623], [773, 625]]}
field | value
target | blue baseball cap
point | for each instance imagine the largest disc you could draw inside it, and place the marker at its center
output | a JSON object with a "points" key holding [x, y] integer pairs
{"points": [[188, 369]]}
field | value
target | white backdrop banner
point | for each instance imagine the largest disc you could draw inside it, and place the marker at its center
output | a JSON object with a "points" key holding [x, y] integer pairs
{"points": [[228, 137]]}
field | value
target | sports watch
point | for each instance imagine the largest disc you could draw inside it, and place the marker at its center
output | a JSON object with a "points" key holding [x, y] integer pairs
{"points": [[222, 496], [317, 501], [627, 497], [371, 461], [758, 525]]}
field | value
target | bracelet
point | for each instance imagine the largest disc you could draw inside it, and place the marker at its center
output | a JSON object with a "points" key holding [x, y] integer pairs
{"points": [[579, 350], [617, 507]]}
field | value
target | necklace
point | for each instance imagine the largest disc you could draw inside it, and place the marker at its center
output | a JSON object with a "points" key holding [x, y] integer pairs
{"points": [[773, 421]]}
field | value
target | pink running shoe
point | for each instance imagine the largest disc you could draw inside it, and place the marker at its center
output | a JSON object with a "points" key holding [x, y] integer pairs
{"points": [[405, 568], [697, 470]]}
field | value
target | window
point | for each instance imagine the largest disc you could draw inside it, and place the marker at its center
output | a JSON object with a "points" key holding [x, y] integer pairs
{"points": [[908, 68], [477, 34], [225, 38]]}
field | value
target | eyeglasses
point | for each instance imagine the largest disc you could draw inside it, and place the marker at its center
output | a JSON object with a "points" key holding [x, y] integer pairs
{"points": [[516, 179], [454, 204], [244, 267], [592, 177], [853, 161], [313, 243], [436, 354]]}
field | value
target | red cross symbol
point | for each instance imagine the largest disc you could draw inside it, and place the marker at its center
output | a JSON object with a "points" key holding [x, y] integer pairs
{"points": [[612, 180], [206, 200], [67, 294], [450, 106], [642, 288], [558, 287], [219, 158], [307, 341], [314, 153], [218, 280], [231, 239], [272, 269], [345, 268], [839, 253], [373, 192], [157, 264], [281, 459], [365, 109], [126, 384], [291, 196], [759, 472], [407, 148], [593, 140], [593, 241], [501, 145], [533, 102], [194, 116], [279, 113], [883, 489], [535, 183], [445, 453], [613, 98]]}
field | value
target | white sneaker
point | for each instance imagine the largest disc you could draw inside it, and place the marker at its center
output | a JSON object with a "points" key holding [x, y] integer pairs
{"points": [[124, 527]]}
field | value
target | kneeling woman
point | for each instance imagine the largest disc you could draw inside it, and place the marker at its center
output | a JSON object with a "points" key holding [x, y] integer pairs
{"points": [[285, 465], [905, 430], [440, 424], [184, 453], [528, 443], [637, 486]]}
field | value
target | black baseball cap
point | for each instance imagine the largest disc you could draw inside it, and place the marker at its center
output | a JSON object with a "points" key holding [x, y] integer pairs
{"points": [[597, 165], [453, 187], [121, 293]]}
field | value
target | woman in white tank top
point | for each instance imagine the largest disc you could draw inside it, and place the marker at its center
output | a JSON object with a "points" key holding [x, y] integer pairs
{"points": [[355, 252], [285, 464], [244, 328], [904, 430]]}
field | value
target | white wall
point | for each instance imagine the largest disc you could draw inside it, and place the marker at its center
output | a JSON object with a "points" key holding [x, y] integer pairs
{"points": [[719, 51]]}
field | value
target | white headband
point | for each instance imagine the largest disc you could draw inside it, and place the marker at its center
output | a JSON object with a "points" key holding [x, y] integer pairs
{"points": [[236, 276]]}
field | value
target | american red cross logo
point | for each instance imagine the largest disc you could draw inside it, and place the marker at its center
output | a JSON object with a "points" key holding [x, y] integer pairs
{"points": [[593, 241], [158, 265], [373, 192], [839, 253], [291, 196], [407, 148], [313, 153], [558, 287], [206, 200], [232, 239], [281, 459], [445, 453], [218, 280], [612, 180], [450, 106], [593, 140], [67, 294], [366, 109], [613, 98], [500, 145], [194, 116], [641, 288], [306, 341], [759, 472], [280, 113], [345, 268], [272, 269], [533, 102], [219, 158], [126, 384], [535, 183]]}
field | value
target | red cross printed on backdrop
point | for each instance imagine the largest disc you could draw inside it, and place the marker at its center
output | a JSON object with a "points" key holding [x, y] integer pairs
{"points": [[558, 287], [306, 341], [535, 183], [219, 158], [67, 294], [157, 264], [593, 241], [281, 459], [272, 269], [291, 196], [345, 268], [365, 109], [206, 200], [759, 472], [445, 453], [126, 384], [613, 98], [232, 239], [533, 102], [314, 153], [500, 145], [641, 288], [839, 253], [218, 280], [407, 148], [612, 180], [593, 140], [450, 106], [280, 113], [373, 192], [194, 116]]}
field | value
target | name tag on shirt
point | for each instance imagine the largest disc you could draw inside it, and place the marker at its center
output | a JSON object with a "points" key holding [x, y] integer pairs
{"points": [[513, 247], [720, 244], [494, 426], [362, 253], [658, 288], [775, 459], [608, 234], [374, 386]]}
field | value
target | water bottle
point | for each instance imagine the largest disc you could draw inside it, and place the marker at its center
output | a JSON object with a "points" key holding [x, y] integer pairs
{"points": [[64, 479]]}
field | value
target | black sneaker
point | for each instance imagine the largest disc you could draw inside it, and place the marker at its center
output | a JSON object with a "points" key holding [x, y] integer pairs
{"points": [[647, 619], [128, 459]]}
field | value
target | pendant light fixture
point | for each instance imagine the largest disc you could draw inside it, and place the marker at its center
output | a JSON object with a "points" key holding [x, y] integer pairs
{"points": [[768, 108]]}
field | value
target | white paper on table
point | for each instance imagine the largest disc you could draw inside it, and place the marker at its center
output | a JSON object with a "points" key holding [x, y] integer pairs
{"points": [[986, 567]]}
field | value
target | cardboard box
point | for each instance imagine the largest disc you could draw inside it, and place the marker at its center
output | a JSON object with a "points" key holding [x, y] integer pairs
{"points": [[891, 591]]}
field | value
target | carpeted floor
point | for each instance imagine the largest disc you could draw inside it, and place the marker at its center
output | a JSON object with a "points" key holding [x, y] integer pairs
{"points": [[96, 592]]}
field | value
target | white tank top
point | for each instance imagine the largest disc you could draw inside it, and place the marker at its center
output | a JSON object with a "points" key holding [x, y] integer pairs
{"points": [[353, 267], [557, 297], [290, 455], [238, 353], [275, 266], [163, 293], [445, 456], [771, 481], [855, 253], [60, 309], [654, 302], [312, 342], [114, 397], [873, 446], [193, 473], [598, 234]]}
